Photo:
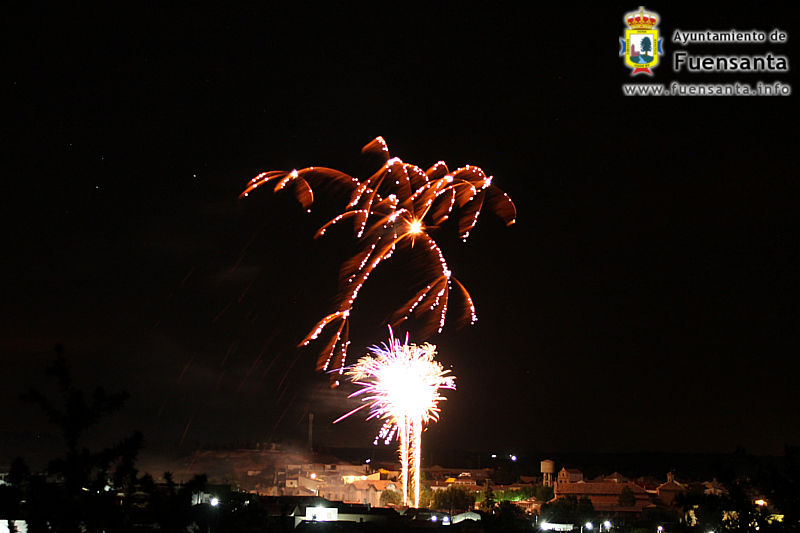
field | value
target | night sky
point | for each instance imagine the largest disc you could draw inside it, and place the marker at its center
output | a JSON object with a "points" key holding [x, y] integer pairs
{"points": [[646, 299]]}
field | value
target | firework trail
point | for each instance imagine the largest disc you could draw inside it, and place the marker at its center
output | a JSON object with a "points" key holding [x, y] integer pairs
{"points": [[394, 208], [401, 384]]}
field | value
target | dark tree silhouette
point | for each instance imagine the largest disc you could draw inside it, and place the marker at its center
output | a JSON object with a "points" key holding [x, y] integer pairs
{"points": [[453, 499], [172, 507], [626, 497], [783, 487], [391, 497], [488, 497], [508, 517], [85, 496], [569, 509]]}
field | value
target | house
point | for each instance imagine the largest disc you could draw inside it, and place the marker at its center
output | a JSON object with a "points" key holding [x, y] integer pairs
{"points": [[616, 477], [530, 505], [342, 512], [667, 492], [605, 495], [364, 489], [367, 492]]}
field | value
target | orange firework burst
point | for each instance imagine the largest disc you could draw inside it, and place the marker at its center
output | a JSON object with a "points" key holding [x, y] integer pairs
{"points": [[394, 208]]}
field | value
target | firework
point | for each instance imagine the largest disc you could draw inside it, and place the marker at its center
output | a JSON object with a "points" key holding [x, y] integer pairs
{"points": [[396, 207], [401, 384]]}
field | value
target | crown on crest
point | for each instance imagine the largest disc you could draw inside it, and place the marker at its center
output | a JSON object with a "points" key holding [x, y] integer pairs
{"points": [[641, 20]]}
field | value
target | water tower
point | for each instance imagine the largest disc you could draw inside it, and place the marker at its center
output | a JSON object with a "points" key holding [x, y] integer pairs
{"points": [[548, 469]]}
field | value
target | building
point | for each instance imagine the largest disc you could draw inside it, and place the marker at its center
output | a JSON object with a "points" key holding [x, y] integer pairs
{"points": [[605, 495], [480, 475], [326, 511], [667, 492], [569, 475], [368, 492], [530, 505]]}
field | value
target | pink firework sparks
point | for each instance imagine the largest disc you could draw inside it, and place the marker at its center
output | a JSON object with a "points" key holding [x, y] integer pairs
{"points": [[401, 384]]}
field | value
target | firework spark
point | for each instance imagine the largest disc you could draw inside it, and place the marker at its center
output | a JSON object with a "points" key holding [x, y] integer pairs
{"points": [[394, 208], [401, 384]]}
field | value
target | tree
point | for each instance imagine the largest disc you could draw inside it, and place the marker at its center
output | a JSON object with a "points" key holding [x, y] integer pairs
{"points": [[542, 493], [82, 499], [704, 512], [426, 497], [18, 473], [627, 498], [391, 497], [585, 509], [647, 44], [453, 499], [172, 508], [783, 487], [508, 516], [569, 509], [488, 501], [250, 515]]}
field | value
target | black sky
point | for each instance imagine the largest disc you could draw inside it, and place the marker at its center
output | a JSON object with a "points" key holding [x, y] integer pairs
{"points": [[646, 298]]}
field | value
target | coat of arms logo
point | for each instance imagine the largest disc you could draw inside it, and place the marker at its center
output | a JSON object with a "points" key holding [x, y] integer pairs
{"points": [[641, 45]]}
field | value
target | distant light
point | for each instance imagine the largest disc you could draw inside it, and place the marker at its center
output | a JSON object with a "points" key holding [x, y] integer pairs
{"points": [[546, 526], [494, 456], [513, 457], [313, 475], [761, 503], [446, 521], [107, 488], [368, 461], [214, 502], [434, 518], [322, 514], [363, 478], [589, 525], [607, 524], [660, 529]]}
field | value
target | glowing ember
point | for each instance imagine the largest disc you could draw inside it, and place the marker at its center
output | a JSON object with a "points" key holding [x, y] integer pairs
{"points": [[401, 384], [393, 208], [415, 227]]}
